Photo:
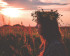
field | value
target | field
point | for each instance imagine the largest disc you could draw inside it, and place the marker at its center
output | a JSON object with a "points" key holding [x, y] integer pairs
{"points": [[19, 40]]}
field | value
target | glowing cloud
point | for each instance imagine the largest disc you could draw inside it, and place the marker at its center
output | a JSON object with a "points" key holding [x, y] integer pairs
{"points": [[11, 12], [3, 4]]}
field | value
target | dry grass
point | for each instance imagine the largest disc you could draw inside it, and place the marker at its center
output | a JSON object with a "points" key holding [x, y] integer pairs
{"points": [[24, 41]]}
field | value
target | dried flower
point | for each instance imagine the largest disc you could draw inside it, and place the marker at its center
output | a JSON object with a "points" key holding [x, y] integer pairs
{"points": [[42, 16]]}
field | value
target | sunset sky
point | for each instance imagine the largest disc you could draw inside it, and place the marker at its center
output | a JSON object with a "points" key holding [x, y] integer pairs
{"points": [[17, 11]]}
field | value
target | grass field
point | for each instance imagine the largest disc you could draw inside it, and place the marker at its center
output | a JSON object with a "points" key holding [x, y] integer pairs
{"points": [[25, 41]]}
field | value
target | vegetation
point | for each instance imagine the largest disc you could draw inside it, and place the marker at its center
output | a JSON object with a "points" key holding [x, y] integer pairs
{"points": [[23, 41], [19, 40], [41, 16]]}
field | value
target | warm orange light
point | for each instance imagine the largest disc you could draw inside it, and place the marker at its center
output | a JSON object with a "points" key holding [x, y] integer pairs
{"points": [[3, 4], [11, 12]]}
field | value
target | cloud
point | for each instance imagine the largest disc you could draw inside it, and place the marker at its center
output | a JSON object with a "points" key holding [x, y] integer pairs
{"points": [[27, 4], [56, 7], [67, 7], [56, 1], [3, 5]]}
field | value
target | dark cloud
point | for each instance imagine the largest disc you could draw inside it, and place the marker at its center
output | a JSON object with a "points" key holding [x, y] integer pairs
{"points": [[21, 4], [27, 4]]}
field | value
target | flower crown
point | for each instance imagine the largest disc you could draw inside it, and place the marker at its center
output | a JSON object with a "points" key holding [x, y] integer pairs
{"points": [[45, 16]]}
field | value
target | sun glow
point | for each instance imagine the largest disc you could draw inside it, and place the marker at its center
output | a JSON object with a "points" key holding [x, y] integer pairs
{"points": [[3, 4], [11, 12]]}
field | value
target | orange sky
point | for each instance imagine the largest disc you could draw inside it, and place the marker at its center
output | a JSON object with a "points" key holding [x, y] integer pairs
{"points": [[24, 12]]}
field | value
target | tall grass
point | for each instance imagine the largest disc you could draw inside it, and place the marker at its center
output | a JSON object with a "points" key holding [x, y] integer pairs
{"points": [[25, 41], [20, 40]]}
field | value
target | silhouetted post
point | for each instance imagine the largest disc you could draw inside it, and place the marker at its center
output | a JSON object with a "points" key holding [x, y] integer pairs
{"points": [[21, 23], [9, 21], [3, 19]]}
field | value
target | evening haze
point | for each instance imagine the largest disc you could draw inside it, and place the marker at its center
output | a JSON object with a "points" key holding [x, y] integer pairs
{"points": [[17, 11]]}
